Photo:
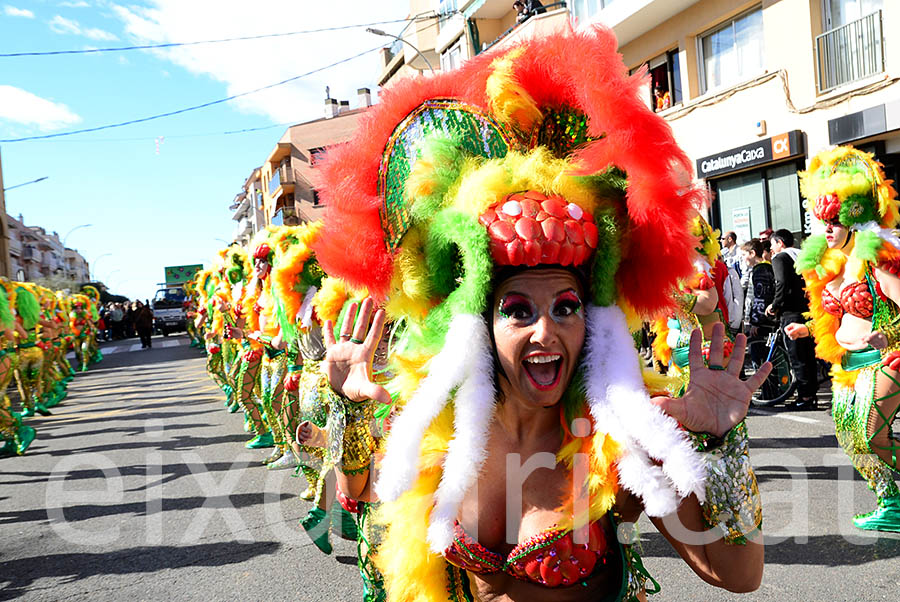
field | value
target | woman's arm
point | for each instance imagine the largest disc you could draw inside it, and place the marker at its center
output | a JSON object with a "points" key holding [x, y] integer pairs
{"points": [[707, 301], [735, 567]]}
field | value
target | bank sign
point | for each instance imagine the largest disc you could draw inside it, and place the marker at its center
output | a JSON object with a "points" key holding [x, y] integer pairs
{"points": [[764, 151]]}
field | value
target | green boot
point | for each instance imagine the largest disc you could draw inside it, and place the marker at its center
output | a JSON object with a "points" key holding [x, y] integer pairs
{"points": [[886, 517], [24, 437], [41, 409], [261, 441], [316, 526], [28, 412], [347, 527], [9, 448]]}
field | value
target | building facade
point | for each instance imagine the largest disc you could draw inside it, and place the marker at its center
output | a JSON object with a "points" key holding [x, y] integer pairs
{"points": [[282, 191], [751, 89], [35, 255]]}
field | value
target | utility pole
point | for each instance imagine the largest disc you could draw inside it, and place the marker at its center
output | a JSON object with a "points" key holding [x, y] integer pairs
{"points": [[5, 268]]}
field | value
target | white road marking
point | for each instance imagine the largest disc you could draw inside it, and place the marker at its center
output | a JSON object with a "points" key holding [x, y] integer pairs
{"points": [[803, 419], [171, 343], [180, 342]]}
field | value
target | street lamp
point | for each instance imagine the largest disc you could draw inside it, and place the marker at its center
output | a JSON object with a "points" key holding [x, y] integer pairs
{"points": [[26, 183], [379, 32], [66, 237], [94, 264]]}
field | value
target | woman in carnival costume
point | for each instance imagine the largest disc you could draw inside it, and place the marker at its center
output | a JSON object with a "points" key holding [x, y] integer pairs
{"points": [[93, 296], [63, 339], [209, 322], [509, 215], [851, 265], [698, 305], [16, 436], [190, 312], [54, 384], [80, 326], [245, 288], [30, 368]]}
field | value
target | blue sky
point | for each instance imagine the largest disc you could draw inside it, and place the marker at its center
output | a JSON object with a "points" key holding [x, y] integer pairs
{"points": [[150, 210]]}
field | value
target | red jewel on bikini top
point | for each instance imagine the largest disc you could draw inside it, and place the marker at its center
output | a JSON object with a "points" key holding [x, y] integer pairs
{"points": [[529, 228], [551, 558], [855, 299]]}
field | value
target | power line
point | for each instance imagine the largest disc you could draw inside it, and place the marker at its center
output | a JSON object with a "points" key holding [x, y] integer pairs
{"points": [[192, 108], [199, 42]]}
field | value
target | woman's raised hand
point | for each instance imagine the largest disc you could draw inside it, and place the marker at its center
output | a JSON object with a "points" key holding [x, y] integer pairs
{"points": [[348, 361], [716, 398]]}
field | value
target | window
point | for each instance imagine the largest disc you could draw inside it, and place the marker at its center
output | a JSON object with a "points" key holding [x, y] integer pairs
{"points": [[665, 81], [840, 12], [584, 11], [316, 155], [732, 52], [452, 57], [446, 9]]}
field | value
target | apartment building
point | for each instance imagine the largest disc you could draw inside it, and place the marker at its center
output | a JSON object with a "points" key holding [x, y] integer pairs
{"points": [[36, 255], [751, 89], [283, 189]]}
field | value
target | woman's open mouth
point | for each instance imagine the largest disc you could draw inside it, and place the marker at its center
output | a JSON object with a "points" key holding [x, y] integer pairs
{"points": [[543, 370]]}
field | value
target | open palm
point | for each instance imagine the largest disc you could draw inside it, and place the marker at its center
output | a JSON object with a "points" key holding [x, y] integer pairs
{"points": [[716, 400], [348, 360]]}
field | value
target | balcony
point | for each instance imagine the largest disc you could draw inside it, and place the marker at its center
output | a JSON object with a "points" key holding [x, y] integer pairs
{"points": [[281, 177], [849, 53], [15, 247], [552, 10]]}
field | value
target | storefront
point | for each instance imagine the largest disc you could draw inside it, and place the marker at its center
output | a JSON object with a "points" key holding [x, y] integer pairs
{"points": [[755, 186], [875, 130]]}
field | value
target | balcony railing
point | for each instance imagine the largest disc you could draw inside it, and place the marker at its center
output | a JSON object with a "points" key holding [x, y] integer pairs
{"points": [[281, 176], [850, 52], [547, 8]]}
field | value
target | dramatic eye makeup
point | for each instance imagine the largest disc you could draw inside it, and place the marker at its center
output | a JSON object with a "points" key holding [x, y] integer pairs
{"points": [[518, 307], [566, 304]]}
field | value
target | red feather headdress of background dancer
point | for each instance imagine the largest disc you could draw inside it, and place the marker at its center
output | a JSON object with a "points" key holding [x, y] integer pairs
{"points": [[565, 108]]}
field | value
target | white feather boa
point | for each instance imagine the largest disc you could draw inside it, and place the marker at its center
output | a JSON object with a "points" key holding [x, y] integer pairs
{"points": [[473, 414], [447, 369], [622, 408]]}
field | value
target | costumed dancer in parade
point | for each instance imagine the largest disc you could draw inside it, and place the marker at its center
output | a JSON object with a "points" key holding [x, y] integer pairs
{"points": [[30, 368], [16, 436], [245, 290], [510, 214], [63, 341], [209, 321], [698, 305], [53, 384], [851, 265], [79, 325], [93, 313], [190, 313]]}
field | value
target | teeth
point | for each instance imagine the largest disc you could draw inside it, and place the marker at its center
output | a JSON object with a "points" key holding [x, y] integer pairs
{"points": [[542, 359]]}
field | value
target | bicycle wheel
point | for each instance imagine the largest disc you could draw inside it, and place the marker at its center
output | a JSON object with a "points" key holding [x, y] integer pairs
{"points": [[780, 383]]}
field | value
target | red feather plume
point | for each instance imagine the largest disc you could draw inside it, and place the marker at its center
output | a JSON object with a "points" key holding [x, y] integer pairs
{"points": [[581, 70]]}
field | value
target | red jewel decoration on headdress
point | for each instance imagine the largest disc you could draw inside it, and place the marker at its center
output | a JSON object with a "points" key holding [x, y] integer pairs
{"points": [[827, 207], [530, 229]]}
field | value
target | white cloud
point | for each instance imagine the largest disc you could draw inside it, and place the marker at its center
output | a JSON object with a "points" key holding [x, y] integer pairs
{"points": [[244, 66], [60, 24], [79, 4], [12, 11], [21, 106]]}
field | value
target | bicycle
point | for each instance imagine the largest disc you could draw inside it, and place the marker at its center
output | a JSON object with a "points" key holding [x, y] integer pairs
{"points": [[781, 382]]}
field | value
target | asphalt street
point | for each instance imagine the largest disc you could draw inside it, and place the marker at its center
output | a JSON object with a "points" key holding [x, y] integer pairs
{"points": [[139, 488]]}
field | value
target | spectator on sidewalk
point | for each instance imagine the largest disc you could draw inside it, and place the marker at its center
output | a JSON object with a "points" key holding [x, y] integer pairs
{"points": [[760, 291], [731, 253], [788, 307], [117, 315], [143, 323]]}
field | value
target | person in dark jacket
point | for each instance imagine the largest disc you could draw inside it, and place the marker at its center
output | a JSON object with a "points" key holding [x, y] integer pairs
{"points": [[143, 323], [760, 289], [789, 305]]}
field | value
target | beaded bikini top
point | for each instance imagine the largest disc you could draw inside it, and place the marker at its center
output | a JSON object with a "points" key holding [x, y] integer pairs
{"points": [[550, 558], [855, 299]]}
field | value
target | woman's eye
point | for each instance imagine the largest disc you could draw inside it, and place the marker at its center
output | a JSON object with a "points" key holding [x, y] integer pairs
{"points": [[517, 311], [566, 308]]}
